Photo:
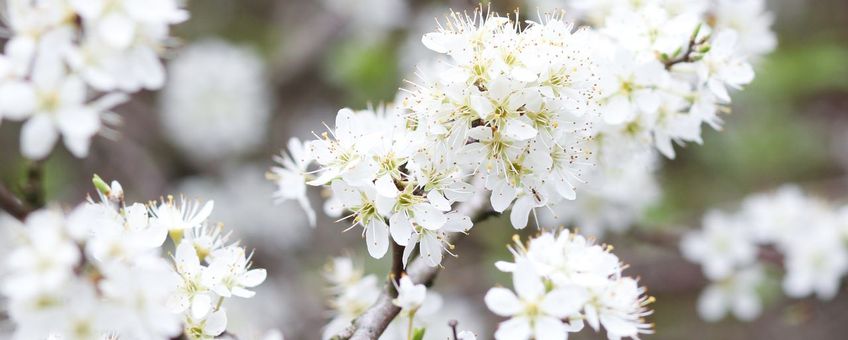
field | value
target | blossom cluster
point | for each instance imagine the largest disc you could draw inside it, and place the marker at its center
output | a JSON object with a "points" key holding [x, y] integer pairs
{"points": [[606, 203], [668, 65], [803, 234], [526, 112], [353, 292], [379, 168], [665, 67], [563, 280], [98, 271], [504, 115], [668, 70], [69, 62]]}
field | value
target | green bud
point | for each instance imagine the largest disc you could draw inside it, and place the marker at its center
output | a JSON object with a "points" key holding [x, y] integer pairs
{"points": [[677, 51], [418, 334], [695, 33], [101, 185]]}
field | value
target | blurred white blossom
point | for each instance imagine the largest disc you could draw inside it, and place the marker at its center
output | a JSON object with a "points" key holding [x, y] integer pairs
{"points": [[370, 19], [801, 235], [217, 103], [68, 63], [241, 199], [736, 294]]}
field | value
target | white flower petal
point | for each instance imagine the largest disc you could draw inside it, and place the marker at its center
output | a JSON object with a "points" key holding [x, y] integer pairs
{"points": [[503, 302], [549, 328], [38, 136], [502, 196], [528, 284], [431, 249], [519, 130], [564, 301], [201, 304], [521, 212], [216, 323], [517, 328], [377, 237], [386, 186], [428, 216], [401, 228], [438, 200], [253, 277], [457, 223]]}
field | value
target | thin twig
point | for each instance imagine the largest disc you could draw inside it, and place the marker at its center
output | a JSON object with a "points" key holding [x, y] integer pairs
{"points": [[33, 190], [453, 324], [689, 55], [686, 57], [11, 204]]}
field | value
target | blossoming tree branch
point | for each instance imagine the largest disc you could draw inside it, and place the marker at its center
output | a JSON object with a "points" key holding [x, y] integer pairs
{"points": [[524, 115]]}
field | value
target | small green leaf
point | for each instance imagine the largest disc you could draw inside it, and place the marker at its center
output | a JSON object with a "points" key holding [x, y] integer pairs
{"points": [[695, 33], [101, 185], [418, 334]]}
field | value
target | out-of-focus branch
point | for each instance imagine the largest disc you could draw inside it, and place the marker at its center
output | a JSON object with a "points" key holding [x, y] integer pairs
{"points": [[371, 324], [33, 189], [452, 324], [32, 193], [11, 205], [294, 64]]}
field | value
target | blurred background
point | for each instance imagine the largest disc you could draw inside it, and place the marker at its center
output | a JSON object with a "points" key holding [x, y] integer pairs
{"points": [[249, 74]]}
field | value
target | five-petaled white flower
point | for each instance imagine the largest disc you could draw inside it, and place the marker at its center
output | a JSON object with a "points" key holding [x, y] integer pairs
{"points": [[536, 312]]}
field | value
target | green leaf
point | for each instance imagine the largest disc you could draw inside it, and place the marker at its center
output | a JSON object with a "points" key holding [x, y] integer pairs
{"points": [[101, 185], [418, 334]]}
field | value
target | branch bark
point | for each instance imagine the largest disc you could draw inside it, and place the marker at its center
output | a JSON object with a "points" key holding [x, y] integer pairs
{"points": [[371, 324], [33, 190], [11, 205], [688, 55], [32, 193], [397, 266]]}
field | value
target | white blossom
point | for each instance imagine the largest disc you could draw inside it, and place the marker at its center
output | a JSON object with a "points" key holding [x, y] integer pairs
{"points": [[802, 236], [723, 246], [736, 294], [410, 296], [722, 68], [291, 176], [350, 299], [588, 274], [217, 102], [535, 313]]}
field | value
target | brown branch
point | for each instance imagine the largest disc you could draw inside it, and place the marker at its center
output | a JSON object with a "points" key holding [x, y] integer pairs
{"points": [[11, 204], [689, 55], [686, 57], [397, 266], [452, 324], [33, 190]]}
